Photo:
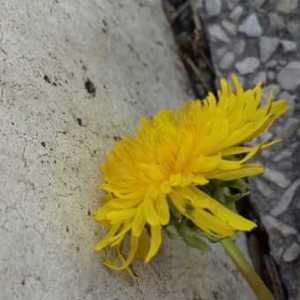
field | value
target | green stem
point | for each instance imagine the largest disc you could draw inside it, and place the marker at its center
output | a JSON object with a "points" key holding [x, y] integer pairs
{"points": [[257, 285]]}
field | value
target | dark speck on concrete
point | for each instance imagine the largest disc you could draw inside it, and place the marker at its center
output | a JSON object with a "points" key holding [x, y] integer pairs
{"points": [[79, 121], [47, 79], [90, 87], [116, 138], [43, 144], [104, 23], [216, 295]]}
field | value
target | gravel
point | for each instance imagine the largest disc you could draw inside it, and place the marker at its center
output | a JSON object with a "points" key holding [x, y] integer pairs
{"points": [[263, 45]]}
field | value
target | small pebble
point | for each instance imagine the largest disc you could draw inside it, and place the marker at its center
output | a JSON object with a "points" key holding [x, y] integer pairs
{"points": [[260, 77], [236, 13], [288, 46], [293, 27], [272, 223], [264, 188], [229, 27], [287, 6], [217, 33], [271, 64], [213, 7], [291, 253], [276, 21], [227, 60], [286, 199], [267, 46], [251, 26], [276, 177], [239, 46], [248, 65], [259, 3], [289, 128], [282, 155], [289, 76], [271, 75], [290, 100]]}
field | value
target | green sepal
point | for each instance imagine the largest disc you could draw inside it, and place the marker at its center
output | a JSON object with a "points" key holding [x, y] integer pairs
{"points": [[171, 231], [191, 237], [227, 192]]}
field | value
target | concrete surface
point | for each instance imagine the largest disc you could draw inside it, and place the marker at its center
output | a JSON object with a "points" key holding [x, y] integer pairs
{"points": [[74, 76]]}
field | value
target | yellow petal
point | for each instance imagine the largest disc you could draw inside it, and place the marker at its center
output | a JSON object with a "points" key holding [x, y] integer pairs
{"points": [[144, 244], [243, 171], [150, 213], [227, 165], [123, 260], [205, 163], [236, 82], [106, 240], [184, 152], [139, 221], [212, 225], [118, 216], [279, 107], [132, 251], [222, 212], [124, 203], [236, 150], [207, 213], [199, 180], [155, 242], [162, 209], [100, 214]]}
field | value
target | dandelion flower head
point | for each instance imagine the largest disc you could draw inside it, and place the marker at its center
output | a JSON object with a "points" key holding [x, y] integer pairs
{"points": [[170, 157]]}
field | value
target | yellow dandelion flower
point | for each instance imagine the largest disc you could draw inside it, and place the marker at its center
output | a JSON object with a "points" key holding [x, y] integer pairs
{"points": [[170, 157]]}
